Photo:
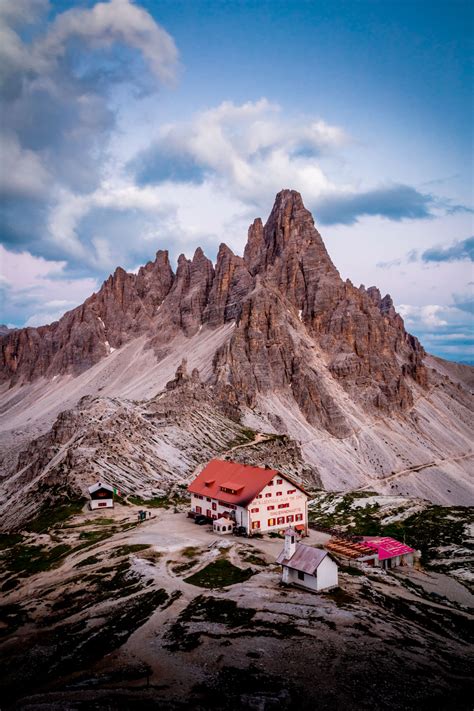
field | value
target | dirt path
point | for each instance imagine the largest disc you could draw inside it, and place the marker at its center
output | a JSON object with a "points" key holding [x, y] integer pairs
{"points": [[259, 437], [413, 469]]}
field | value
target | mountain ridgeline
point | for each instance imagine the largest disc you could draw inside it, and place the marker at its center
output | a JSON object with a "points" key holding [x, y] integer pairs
{"points": [[285, 279], [276, 343]]}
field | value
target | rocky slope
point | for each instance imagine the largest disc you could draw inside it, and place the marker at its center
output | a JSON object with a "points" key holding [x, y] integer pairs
{"points": [[281, 342]]}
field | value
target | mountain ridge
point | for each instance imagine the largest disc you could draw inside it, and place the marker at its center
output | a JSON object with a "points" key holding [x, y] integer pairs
{"points": [[280, 343]]}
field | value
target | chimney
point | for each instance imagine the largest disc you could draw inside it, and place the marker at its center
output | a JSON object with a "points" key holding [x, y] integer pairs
{"points": [[290, 543]]}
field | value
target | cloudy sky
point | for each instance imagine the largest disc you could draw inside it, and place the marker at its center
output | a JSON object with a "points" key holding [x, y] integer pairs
{"points": [[133, 126]]}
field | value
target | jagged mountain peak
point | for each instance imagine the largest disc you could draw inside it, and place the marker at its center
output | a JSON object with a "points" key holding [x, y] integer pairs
{"points": [[285, 277]]}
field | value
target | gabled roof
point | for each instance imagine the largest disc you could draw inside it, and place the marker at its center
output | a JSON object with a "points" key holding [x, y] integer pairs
{"points": [[387, 547], [244, 480], [100, 485], [305, 558]]}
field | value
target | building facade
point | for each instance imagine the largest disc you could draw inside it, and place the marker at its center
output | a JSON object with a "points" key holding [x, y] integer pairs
{"points": [[102, 496], [257, 499], [305, 566]]}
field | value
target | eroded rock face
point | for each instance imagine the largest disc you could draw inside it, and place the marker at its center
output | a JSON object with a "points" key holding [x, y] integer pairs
{"points": [[285, 297]]}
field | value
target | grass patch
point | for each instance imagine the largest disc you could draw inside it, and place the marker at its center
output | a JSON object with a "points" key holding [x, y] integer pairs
{"points": [[53, 515], [253, 559], [92, 537], [219, 574], [91, 560], [159, 502], [128, 549], [8, 540], [190, 552], [340, 597], [434, 526], [180, 568], [350, 569], [29, 560], [239, 621]]}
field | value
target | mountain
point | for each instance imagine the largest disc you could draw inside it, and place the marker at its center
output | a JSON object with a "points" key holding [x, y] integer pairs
{"points": [[279, 342]]}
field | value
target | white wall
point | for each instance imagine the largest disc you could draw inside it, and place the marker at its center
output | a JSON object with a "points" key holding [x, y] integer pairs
{"points": [[297, 504], [326, 576], [99, 504]]}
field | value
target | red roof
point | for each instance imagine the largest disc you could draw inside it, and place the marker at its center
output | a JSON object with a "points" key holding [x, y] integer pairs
{"points": [[387, 547], [244, 480]]}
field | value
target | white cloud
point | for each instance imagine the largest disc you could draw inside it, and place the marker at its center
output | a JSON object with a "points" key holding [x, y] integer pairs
{"points": [[33, 284], [250, 150], [22, 172], [107, 23], [429, 315]]}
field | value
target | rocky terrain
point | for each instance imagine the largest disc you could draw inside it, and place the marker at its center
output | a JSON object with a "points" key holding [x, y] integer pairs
{"points": [[102, 612], [276, 343]]}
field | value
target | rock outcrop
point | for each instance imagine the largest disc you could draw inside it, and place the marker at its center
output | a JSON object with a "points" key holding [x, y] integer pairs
{"points": [[287, 301]]}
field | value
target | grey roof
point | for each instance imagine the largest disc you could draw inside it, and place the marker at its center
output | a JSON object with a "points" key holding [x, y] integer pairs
{"points": [[305, 558], [100, 485]]}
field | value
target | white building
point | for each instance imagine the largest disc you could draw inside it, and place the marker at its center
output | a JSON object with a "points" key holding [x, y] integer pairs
{"points": [[256, 498], [307, 567], [223, 525], [102, 496]]}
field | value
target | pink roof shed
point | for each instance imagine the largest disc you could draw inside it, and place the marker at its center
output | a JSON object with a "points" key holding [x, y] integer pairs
{"points": [[387, 547]]}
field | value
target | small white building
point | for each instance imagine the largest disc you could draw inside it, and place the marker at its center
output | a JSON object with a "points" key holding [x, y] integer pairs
{"points": [[223, 525], [102, 496], [306, 567], [258, 499]]}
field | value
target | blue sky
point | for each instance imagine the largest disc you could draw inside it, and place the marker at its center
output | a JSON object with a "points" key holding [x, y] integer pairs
{"points": [[129, 127]]}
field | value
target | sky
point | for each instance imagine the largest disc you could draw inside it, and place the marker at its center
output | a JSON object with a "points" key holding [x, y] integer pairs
{"points": [[128, 127]]}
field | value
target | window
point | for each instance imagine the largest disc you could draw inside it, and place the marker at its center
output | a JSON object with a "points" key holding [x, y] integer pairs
{"points": [[209, 513], [268, 495], [280, 519], [198, 509], [299, 517], [270, 483], [271, 521], [254, 510], [214, 517], [224, 528], [270, 508], [214, 506], [279, 493], [279, 481], [283, 506], [290, 518], [207, 498], [300, 575], [259, 496], [291, 491], [255, 524]]}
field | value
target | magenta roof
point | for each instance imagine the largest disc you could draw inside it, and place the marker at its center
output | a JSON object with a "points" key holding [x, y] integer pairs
{"points": [[387, 547]]}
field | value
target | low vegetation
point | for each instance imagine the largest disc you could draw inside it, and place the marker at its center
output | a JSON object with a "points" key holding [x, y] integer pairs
{"points": [[51, 516], [219, 574], [427, 528], [26, 560]]}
